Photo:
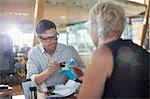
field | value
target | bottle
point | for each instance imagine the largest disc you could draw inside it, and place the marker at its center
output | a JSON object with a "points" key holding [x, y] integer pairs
{"points": [[33, 92]]}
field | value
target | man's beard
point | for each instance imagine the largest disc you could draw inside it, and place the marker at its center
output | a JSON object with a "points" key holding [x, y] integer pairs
{"points": [[51, 50]]}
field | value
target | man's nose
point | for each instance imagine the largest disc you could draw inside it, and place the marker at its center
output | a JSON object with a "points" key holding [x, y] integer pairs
{"points": [[53, 40]]}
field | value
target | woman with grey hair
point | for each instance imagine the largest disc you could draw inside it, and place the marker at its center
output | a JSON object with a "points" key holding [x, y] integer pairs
{"points": [[119, 68]]}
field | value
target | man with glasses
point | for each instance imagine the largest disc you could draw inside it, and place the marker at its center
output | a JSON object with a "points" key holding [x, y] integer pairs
{"points": [[44, 59]]}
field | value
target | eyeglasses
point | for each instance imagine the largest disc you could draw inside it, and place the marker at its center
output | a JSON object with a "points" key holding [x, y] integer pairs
{"points": [[49, 39]]}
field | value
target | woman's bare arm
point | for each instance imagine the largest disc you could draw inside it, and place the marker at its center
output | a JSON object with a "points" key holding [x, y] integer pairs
{"points": [[96, 74]]}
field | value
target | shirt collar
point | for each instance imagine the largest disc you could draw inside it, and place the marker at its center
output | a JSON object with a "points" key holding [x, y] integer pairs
{"points": [[42, 48], [58, 48]]}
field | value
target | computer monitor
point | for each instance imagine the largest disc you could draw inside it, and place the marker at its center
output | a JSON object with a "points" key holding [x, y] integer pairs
{"points": [[6, 55]]}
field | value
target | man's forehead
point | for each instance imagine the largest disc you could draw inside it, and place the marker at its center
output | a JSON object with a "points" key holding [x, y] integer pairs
{"points": [[49, 35], [50, 32]]}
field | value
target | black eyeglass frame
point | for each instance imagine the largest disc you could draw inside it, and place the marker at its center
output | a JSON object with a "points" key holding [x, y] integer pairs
{"points": [[49, 38]]}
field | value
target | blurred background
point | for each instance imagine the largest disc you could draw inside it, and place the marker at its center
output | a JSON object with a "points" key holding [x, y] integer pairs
{"points": [[18, 19]]}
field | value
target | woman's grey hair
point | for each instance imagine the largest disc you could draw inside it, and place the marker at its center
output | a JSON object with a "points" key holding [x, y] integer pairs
{"points": [[108, 18]]}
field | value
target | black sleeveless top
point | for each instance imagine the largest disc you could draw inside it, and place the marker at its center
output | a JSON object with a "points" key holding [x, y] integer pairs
{"points": [[130, 75]]}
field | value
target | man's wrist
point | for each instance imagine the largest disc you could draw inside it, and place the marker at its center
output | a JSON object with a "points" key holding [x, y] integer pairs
{"points": [[50, 70]]}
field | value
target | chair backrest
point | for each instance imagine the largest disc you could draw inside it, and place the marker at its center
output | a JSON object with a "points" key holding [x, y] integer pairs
{"points": [[26, 85]]}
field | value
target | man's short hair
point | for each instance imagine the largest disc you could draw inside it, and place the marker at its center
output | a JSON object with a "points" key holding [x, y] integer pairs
{"points": [[44, 25]]}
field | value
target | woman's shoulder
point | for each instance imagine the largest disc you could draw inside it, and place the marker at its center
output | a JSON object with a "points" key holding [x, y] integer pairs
{"points": [[102, 59], [102, 51]]}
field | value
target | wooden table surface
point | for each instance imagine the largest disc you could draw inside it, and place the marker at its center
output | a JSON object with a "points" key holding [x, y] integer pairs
{"points": [[17, 90]]}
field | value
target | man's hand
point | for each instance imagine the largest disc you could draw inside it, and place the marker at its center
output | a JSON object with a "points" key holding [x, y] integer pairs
{"points": [[53, 66]]}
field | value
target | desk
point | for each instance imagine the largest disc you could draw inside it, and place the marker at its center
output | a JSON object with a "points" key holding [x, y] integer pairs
{"points": [[17, 90], [5, 93]]}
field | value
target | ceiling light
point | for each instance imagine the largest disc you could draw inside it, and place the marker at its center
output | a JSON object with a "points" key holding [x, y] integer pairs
{"points": [[18, 13], [138, 1], [63, 17]]}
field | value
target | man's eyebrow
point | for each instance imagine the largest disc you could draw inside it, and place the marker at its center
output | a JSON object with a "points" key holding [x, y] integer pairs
{"points": [[51, 36]]}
